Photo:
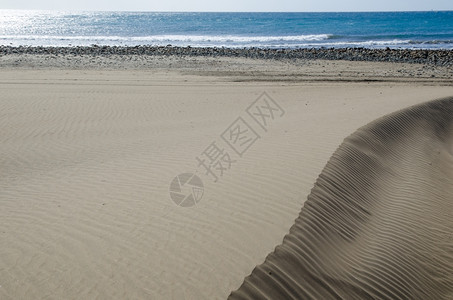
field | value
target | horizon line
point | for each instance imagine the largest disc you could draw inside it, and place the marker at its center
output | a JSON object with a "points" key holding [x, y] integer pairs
{"points": [[213, 11]]}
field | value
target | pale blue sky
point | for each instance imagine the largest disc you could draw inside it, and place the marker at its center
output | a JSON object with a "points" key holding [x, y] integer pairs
{"points": [[230, 5]]}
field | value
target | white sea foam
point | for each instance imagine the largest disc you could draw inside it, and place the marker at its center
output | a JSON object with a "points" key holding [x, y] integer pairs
{"points": [[177, 40], [231, 41]]}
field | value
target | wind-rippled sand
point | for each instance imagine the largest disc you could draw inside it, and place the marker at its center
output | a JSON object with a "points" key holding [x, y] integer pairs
{"points": [[379, 222], [87, 158]]}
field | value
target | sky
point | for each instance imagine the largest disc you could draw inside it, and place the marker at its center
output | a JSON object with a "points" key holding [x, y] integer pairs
{"points": [[230, 5]]}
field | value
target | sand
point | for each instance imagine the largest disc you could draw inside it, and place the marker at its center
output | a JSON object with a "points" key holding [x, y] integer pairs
{"points": [[377, 224], [88, 152]]}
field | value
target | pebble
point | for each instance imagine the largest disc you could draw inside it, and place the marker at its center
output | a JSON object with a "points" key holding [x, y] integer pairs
{"points": [[436, 57]]}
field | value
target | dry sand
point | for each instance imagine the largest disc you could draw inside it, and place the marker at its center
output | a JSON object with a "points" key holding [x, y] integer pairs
{"points": [[87, 155], [378, 223]]}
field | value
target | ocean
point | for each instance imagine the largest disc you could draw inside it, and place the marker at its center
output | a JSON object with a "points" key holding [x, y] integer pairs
{"points": [[411, 30]]}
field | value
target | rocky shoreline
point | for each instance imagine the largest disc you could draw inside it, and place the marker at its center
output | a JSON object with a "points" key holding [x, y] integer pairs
{"points": [[430, 57]]}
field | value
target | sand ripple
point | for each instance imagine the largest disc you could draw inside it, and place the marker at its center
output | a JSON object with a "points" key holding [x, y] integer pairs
{"points": [[378, 223]]}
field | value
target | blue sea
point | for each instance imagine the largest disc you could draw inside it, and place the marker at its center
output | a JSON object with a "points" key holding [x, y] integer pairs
{"points": [[414, 30]]}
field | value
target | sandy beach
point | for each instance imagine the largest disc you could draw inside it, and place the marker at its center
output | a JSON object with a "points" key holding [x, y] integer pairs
{"points": [[90, 145]]}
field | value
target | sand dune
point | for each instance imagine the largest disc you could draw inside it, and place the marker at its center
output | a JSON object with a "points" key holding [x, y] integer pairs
{"points": [[378, 223]]}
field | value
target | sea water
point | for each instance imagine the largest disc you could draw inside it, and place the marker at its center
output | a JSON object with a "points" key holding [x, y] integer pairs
{"points": [[414, 30]]}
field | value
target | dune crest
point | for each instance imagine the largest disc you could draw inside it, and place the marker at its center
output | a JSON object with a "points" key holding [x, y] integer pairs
{"points": [[378, 223]]}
